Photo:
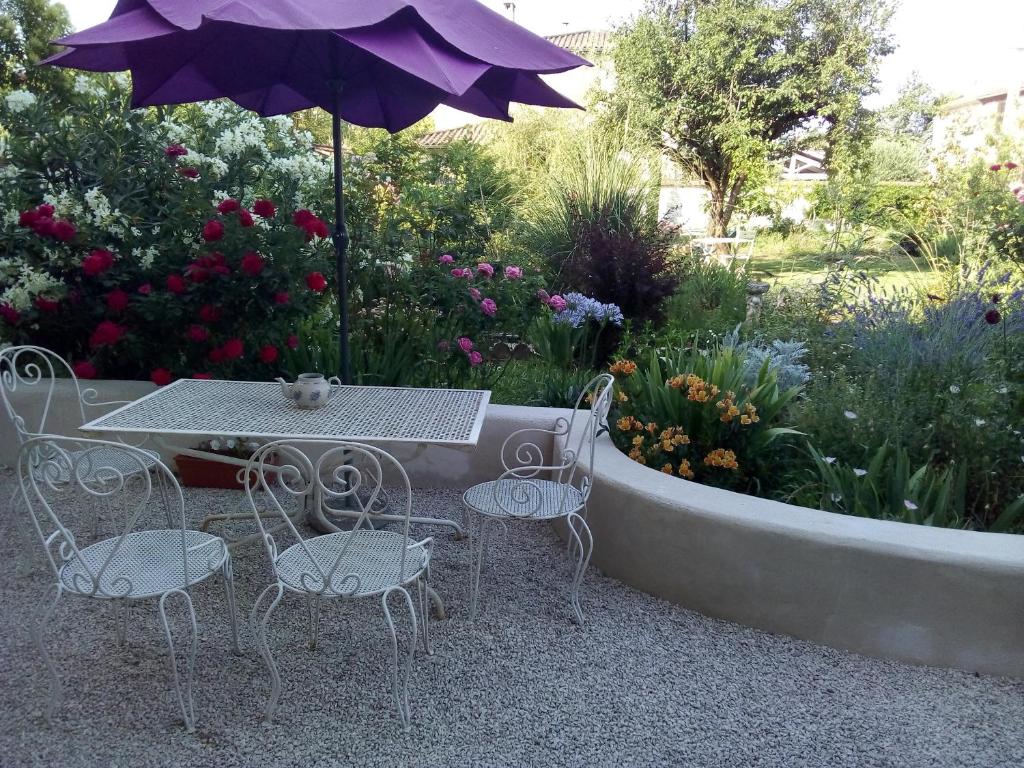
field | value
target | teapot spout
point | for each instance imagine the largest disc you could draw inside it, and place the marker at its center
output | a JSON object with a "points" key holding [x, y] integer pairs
{"points": [[286, 388]]}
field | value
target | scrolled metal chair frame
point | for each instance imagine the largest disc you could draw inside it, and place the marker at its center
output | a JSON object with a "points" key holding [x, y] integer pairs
{"points": [[354, 474], [37, 369], [522, 491], [49, 467]]}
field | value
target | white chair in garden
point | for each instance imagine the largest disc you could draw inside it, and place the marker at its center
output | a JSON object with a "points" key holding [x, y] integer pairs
{"points": [[30, 377], [535, 490], [58, 478], [361, 563]]}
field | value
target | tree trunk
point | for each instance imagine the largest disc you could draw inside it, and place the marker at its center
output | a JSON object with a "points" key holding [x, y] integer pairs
{"points": [[719, 212]]}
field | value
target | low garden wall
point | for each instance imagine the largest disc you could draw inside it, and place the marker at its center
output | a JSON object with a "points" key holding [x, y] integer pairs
{"points": [[923, 595]]}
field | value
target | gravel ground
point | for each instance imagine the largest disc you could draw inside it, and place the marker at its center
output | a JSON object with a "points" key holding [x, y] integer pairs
{"points": [[645, 683]]}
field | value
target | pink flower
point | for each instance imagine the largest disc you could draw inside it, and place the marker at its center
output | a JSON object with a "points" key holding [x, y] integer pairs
{"points": [[557, 303], [202, 375], [10, 315], [543, 297], [461, 272], [208, 313], [465, 344], [233, 349], [245, 218], [513, 273], [106, 334], [188, 172], [281, 297], [264, 208], [1010, 165], [488, 307], [316, 282], [117, 300], [198, 333], [84, 369], [252, 263], [268, 353], [44, 304], [483, 268], [996, 167], [292, 342], [445, 258], [228, 205], [97, 262], [475, 294], [175, 284], [175, 150], [213, 230], [145, 289], [63, 230], [475, 358], [161, 377]]}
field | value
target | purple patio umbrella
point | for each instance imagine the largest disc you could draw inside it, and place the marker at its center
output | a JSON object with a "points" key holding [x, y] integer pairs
{"points": [[380, 64]]}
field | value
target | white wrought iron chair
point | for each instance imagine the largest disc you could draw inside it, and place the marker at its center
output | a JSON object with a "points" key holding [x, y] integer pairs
{"points": [[350, 564], [524, 492], [140, 563], [36, 371]]}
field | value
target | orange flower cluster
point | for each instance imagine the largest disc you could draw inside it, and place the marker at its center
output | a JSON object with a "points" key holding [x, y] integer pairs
{"points": [[698, 390], [684, 469], [623, 367], [720, 457], [672, 437], [727, 406], [749, 415], [629, 424]]}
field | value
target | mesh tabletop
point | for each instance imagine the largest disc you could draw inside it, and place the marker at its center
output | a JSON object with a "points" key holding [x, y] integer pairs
{"points": [[258, 410]]}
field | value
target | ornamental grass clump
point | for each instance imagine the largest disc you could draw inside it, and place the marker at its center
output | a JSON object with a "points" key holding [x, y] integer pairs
{"points": [[693, 416]]}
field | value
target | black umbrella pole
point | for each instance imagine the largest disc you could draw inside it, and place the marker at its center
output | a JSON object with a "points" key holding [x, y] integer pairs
{"points": [[341, 246]]}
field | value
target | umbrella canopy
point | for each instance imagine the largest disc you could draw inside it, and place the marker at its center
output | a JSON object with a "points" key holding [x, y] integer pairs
{"points": [[381, 64]]}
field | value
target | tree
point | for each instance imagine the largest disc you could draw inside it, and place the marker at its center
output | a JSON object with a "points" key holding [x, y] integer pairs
{"points": [[723, 87], [912, 112], [26, 29]]}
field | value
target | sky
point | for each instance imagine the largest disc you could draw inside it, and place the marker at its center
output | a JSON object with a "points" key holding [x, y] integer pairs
{"points": [[957, 47]]}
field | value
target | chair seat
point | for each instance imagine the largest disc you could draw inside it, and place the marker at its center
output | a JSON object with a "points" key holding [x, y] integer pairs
{"points": [[106, 458], [149, 563], [526, 498], [373, 557]]}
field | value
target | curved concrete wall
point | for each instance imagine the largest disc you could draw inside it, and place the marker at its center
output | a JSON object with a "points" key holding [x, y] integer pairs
{"points": [[923, 595]]}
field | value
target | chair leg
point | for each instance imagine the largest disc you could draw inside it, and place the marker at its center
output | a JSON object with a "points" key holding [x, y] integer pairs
{"points": [[185, 700], [38, 631], [400, 677], [423, 593], [583, 546], [25, 559], [259, 632], [161, 482], [228, 574], [313, 611]]}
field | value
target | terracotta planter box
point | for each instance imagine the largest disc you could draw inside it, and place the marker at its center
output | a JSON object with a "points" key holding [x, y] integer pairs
{"points": [[203, 473]]}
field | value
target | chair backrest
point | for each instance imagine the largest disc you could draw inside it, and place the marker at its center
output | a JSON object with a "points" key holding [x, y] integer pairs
{"points": [[523, 457], [286, 474], [35, 370], [61, 477]]}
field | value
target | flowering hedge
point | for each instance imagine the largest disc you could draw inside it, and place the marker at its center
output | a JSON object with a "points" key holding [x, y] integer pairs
{"points": [[141, 247]]}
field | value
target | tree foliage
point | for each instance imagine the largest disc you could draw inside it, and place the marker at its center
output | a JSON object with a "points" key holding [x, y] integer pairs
{"points": [[26, 29], [723, 87]]}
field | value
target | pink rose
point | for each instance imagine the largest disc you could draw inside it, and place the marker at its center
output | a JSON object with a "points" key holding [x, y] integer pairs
{"points": [[1009, 165], [557, 303], [488, 307], [483, 268], [445, 258], [475, 358], [542, 295], [475, 294], [513, 273], [465, 344], [460, 272]]}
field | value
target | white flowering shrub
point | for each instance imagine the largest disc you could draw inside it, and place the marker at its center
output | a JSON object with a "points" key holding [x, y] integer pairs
{"points": [[157, 243]]}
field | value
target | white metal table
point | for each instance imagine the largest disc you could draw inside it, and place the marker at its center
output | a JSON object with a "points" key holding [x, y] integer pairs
{"points": [[256, 410], [734, 244]]}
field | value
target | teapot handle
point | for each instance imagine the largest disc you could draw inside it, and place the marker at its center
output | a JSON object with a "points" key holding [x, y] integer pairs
{"points": [[333, 381]]}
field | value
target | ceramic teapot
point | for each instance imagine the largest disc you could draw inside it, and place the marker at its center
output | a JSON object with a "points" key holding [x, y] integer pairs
{"points": [[310, 390]]}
